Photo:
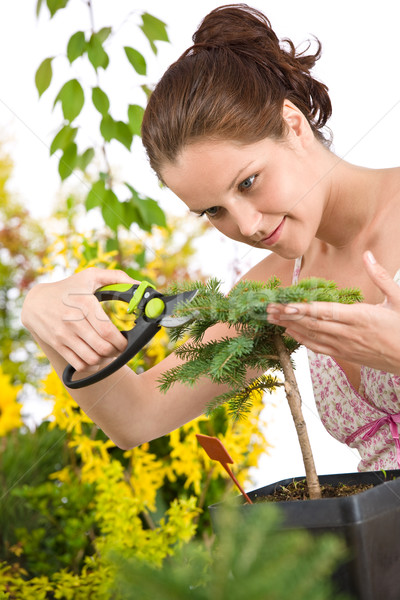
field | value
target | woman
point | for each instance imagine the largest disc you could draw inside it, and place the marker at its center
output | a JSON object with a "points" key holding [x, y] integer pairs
{"points": [[235, 129]]}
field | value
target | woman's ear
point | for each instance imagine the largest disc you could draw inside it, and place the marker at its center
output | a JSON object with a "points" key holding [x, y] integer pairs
{"points": [[296, 123]]}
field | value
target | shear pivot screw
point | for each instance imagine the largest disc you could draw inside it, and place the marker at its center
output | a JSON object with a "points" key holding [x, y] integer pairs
{"points": [[154, 308]]}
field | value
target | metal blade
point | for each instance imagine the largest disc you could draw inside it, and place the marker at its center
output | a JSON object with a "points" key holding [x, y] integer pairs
{"points": [[171, 303]]}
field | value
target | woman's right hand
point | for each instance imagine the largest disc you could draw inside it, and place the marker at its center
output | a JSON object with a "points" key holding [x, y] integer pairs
{"points": [[66, 316]]}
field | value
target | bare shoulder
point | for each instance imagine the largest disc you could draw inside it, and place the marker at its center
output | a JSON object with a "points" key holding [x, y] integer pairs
{"points": [[272, 265]]}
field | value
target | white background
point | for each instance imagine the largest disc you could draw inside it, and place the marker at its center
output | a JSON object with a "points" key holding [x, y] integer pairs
{"points": [[359, 64]]}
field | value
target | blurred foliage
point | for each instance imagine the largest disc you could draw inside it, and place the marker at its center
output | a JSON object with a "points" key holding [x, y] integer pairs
{"points": [[252, 558], [23, 244]]}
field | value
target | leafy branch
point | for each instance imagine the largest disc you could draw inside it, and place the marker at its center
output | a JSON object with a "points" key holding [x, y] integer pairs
{"points": [[120, 205]]}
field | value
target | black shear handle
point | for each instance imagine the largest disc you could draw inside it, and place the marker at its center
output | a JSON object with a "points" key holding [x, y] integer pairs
{"points": [[137, 337]]}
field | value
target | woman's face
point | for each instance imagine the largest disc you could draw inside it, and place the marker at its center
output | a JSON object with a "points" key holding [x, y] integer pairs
{"points": [[267, 194]]}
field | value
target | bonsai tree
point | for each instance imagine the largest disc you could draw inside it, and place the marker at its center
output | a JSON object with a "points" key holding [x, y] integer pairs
{"points": [[256, 345]]}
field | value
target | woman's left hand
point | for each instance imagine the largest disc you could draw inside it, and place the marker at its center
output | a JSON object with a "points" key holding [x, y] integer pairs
{"points": [[366, 334]]}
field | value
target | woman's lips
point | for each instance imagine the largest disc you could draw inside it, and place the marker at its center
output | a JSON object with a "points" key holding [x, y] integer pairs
{"points": [[274, 236]]}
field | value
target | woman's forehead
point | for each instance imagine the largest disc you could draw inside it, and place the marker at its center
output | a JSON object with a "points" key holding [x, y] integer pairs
{"points": [[202, 158]]}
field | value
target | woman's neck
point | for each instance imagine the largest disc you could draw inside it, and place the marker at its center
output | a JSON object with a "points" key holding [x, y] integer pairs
{"points": [[354, 197]]}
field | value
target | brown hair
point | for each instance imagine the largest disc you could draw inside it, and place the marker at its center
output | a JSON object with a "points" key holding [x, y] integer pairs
{"points": [[231, 84]]}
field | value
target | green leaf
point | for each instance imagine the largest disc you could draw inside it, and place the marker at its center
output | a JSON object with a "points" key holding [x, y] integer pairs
{"points": [[85, 159], [96, 53], [112, 244], [148, 211], [135, 117], [136, 59], [123, 134], [90, 251], [64, 137], [118, 130], [108, 128], [100, 101], [113, 211], [132, 215], [103, 34], [68, 161], [96, 195], [148, 91], [55, 5], [141, 258], [38, 7], [153, 213], [70, 202], [72, 99], [44, 75], [76, 46], [154, 29]]}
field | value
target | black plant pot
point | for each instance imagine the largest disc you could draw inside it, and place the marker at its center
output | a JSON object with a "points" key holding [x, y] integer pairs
{"points": [[369, 522]]}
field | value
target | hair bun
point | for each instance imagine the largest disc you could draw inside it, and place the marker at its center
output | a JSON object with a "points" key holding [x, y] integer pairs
{"points": [[234, 25], [248, 32]]}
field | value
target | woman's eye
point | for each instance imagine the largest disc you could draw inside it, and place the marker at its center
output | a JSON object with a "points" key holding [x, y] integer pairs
{"points": [[210, 212], [247, 183]]}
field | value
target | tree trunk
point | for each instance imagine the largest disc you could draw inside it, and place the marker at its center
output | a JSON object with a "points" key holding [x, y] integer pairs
{"points": [[294, 400]]}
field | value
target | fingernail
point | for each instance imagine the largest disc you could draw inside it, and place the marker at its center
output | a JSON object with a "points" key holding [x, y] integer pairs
{"points": [[371, 258], [291, 310], [272, 310]]}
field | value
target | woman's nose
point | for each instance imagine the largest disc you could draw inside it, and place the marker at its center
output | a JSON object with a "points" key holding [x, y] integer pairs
{"points": [[248, 220]]}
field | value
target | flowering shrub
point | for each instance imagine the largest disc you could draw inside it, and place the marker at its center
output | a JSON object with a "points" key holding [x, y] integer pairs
{"points": [[10, 409]]}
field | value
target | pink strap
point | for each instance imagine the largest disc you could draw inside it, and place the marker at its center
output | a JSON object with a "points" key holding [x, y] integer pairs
{"points": [[370, 429], [296, 270]]}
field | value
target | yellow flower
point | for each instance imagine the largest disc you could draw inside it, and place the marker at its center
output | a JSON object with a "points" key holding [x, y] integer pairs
{"points": [[64, 475], [66, 413], [10, 409], [94, 455], [147, 476]]}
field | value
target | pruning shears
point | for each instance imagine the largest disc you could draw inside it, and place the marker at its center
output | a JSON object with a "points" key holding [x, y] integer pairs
{"points": [[153, 309]]}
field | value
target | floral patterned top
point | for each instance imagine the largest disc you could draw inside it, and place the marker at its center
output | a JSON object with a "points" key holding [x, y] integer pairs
{"points": [[366, 419]]}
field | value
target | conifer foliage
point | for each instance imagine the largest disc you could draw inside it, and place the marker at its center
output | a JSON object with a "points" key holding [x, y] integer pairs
{"points": [[256, 346]]}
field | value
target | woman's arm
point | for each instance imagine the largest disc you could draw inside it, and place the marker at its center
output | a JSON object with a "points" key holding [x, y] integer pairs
{"points": [[69, 324]]}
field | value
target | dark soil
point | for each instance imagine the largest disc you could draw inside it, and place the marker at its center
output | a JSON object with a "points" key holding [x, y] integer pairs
{"points": [[297, 490]]}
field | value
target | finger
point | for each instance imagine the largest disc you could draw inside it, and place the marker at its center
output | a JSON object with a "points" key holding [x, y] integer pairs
{"points": [[324, 340], [81, 355], [382, 279], [82, 367], [316, 345], [306, 312], [101, 277], [76, 357], [103, 337], [312, 329], [93, 325]]}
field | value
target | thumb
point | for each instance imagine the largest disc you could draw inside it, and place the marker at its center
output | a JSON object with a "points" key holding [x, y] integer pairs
{"points": [[382, 279]]}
